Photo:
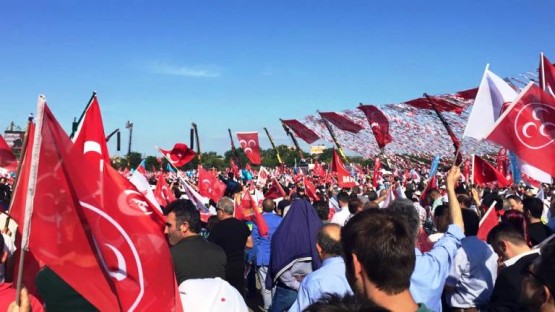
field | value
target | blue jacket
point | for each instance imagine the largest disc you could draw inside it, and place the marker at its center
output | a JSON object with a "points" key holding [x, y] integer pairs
{"points": [[262, 244]]}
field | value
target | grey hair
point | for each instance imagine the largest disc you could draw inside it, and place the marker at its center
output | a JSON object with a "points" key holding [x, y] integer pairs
{"points": [[226, 205], [405, 209]]}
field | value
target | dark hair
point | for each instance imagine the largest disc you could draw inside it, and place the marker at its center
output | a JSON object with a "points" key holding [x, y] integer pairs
{"points": [[464, 200], [405, 209], [348, 303], [546, 266], [329, 245], [518, 221], [322, 209], [185, 211], [441, 211], [343, 196], [268, 205], [505, 231], [384, 245], [515, 198], [354, 205], [471, 221], [370, 205], [372, 195], [534, 206]]}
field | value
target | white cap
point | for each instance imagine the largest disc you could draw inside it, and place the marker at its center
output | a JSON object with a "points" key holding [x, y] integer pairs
{"points": [[210, 294]]}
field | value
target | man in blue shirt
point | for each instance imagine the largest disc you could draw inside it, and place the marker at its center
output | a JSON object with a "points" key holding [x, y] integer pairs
{"points": [[262, 245], [432, 267], [330, 277]]}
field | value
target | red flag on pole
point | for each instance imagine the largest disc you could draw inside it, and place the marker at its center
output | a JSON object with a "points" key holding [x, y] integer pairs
{"points": [[162, 192], [527, 128], [488, 222], [344, 178], [275, 190], [342, 122], [484, 172], [301, 130], [310, 189], [249, 144], [547, 75], [377, 173], [7, 157], [379, 123], [209, 185], [57, 238], [179, 155]]}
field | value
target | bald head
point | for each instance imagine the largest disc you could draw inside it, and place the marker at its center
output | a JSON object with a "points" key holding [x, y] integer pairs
{"points": [[268, 205], [328, 241]]}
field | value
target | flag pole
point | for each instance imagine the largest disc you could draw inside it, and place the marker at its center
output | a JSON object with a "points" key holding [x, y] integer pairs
{"points": [[33, 172], [290, 134], [456, 144], [76, 124], [234, 153], [542, 71], [198, 143], [273, 146], [339, 149], [174, 167]]}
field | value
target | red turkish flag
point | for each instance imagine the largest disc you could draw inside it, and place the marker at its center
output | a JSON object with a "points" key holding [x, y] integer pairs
{"points": [[310, 189], [344, 178], [377, 173], [466, 169], [342, 122], [162, 192], [7, 157], [318, 170], [89, 138], [547, 75], [484, 172], [275, 190], [57, 237], [301, 130], [249, 144], [527, 128], [441, 104], [379, 123], [179, 155], [209, 185], [488, 222], [502, 161], [250, 204], [234, 168]]}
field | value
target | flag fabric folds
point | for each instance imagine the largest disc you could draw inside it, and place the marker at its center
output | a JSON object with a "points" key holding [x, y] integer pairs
{"points": [[179, 155], [251, 147], [344, 178], [442, 105], [342, 122], [379, 124], [162, 192], [209, 185], [527, 128], [7, 157], [493, 93], [275, 191], [301, 130], [488, 222], [547, 75], [484, 172]]}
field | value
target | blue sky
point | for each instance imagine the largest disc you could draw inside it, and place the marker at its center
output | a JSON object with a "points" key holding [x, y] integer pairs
{"points": [[245, 64]]}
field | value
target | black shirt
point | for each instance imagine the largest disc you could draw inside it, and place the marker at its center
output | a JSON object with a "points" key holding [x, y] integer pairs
{"points": [[538, 232], [231, 234], [194, 257]]}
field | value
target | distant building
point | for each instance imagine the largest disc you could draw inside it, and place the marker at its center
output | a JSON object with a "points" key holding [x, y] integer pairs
{"points": [[317, 149], [14, 136]]}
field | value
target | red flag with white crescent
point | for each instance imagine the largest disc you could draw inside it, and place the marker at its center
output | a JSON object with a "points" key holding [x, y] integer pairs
{"points": [[484, 172], [162, 192], [379, 123], [209, 185], [179, 155], [249, 144]]}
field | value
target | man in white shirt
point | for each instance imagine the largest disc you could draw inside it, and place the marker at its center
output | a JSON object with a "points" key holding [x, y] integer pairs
{"points": [[343, 214]]}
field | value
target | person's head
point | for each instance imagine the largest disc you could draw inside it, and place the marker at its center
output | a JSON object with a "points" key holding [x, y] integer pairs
{"points": [[281, 206], [464, 200], [343, 199], [533, 207], [434, 194], [372, 195], [355, 205], [268, 205], [328, 241], [225, 208], [515, 202], [538, 283], [507, 241], [322, 209], [519, 221], [370, 205], [348, 303], [212, 220], [552, 208], [379, 253], [182, 220], [441, 218], [471, 222], [405, 209]]}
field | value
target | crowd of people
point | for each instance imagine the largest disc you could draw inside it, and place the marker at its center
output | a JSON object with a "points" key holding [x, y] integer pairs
{"points": [[392, 244]]}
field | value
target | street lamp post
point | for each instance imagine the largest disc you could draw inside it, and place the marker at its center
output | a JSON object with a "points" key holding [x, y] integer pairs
{"points": [[129, 125]]}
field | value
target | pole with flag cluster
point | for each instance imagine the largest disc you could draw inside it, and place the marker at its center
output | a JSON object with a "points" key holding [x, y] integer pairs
{"points": [[339, 149], [198, 143], [456, 143], [290, 134], [273, 146]]}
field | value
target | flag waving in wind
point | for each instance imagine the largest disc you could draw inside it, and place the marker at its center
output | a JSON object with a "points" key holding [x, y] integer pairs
{"points": [[249, 144], [344, 178], [527, 128], [484, 172], [7, 157], [179, 155], [379, 123]]}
